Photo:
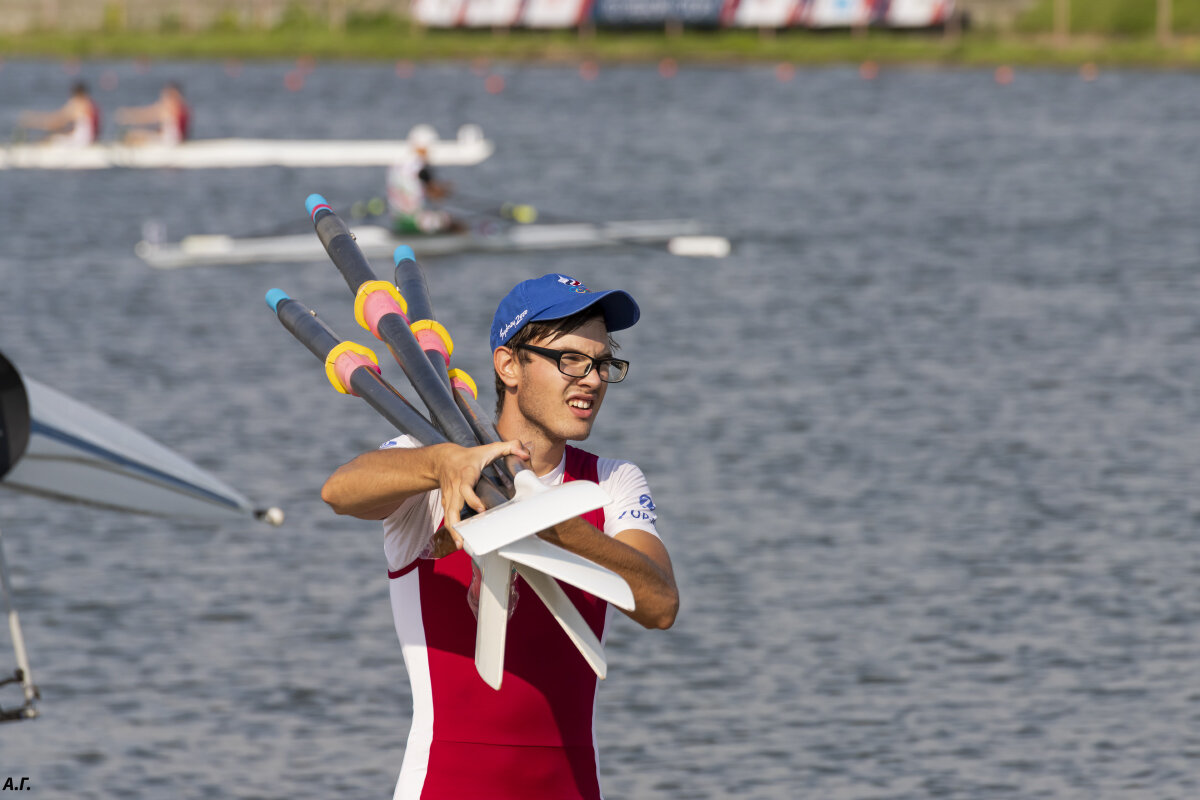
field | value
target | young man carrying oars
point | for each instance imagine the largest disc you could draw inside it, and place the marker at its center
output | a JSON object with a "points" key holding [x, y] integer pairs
{"points": [[553, 361]]}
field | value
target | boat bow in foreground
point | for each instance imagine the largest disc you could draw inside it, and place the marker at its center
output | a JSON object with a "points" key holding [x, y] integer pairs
{"points": [[57, 447]]}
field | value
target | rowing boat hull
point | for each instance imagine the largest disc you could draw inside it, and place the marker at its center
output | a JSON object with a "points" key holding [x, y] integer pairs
{"points": [[469, 148], [378, 242], [69, 451]]}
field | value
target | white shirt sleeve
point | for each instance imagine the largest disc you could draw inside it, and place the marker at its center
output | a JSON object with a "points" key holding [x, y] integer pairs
{"points": [[632, 507], [407, 530]]}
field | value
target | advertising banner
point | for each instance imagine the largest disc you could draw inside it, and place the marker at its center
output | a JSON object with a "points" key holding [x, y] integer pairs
{"points": [[918, 13], [767, 13], [838, 13], [646, 13], [554, 13], [491, 13], [438, 13]]}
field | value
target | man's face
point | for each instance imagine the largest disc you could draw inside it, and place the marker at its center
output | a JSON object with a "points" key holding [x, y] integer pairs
{"points": [[564, 407]]}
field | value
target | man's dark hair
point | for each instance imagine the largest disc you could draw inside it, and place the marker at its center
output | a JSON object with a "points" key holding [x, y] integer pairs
{"points": [[550, 330]]}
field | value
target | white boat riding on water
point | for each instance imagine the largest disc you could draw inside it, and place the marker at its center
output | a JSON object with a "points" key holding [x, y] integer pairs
{"points": [[54, 446], [680, 236], [467, 148]]}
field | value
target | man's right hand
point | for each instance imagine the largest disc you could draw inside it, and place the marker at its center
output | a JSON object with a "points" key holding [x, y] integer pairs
{"points": [[459, 470]]}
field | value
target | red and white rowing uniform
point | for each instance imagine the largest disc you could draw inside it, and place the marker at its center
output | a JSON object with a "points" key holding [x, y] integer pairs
{"points": [[175, 122], [534, 737], [85, 129]]}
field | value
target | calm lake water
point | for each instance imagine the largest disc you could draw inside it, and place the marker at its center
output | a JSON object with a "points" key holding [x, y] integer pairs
{"points": [[924, 446]]}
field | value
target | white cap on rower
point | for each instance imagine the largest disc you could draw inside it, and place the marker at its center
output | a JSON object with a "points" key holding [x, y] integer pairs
{"points": [[422, 136]]}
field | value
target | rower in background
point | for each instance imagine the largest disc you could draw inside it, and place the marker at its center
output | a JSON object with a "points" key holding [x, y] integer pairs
{"points": [[165, 121], [76, 123], [410, 185]]}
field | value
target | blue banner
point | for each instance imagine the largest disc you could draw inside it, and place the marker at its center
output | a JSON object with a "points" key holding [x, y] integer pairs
{"points": [[644, 13]]}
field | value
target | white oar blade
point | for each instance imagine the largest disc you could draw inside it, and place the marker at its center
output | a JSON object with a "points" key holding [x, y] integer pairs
{"points": [[530, 511], [699, 246], [568, 617], [571, 568], [492, 626]]}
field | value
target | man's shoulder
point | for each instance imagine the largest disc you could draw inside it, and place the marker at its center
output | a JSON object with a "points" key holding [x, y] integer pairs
{"points": [[606, 467]]}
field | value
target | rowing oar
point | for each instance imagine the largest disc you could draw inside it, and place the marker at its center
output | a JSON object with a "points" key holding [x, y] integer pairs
{"points": [[380, 308], [504, 534], [501, 535], [351, 368]]}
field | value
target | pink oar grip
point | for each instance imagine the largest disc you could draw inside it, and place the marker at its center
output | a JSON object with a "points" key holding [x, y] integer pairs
{"points": [[347, 363], [463, 382], [343, 360], [430, 340], [433, 336], [374, 301]]}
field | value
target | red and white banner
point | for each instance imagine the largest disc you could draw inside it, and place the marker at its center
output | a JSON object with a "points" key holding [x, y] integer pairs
{"points": [[438, 13], [837, 13], [918, 13], [708, 13], [555, 13], [767, 13], [492, 13]]}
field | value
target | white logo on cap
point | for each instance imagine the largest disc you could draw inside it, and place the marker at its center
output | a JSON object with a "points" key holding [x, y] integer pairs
{"points": [[516, 321]]}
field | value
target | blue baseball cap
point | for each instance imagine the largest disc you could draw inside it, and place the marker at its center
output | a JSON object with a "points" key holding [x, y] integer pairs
{"points": [[555, 296]]}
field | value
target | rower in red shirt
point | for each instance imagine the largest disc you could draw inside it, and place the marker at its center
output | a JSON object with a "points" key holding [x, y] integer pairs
{"points": [[76, 123], [553, 357], [165, 121]]}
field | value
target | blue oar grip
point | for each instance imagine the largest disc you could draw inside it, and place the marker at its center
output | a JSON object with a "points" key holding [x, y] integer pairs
{"points": [[313, 201], [403, 253], [275, 297]]}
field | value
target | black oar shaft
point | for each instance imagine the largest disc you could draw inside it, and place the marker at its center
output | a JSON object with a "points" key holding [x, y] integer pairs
{"points": [[304, 325], [392, 406], [339, 243], [392, 328], [410, 280], [485, 431]]}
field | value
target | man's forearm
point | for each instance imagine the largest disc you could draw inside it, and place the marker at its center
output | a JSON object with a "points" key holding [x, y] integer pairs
{"points": [[655, 595], [373, 484]]}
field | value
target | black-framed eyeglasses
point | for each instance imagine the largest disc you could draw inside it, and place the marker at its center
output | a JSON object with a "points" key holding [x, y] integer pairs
{"points": [[577, 365]]}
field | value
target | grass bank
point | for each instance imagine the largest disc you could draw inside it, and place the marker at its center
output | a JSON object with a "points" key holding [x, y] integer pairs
{"points": [[1114, 18], [1032, 44]]}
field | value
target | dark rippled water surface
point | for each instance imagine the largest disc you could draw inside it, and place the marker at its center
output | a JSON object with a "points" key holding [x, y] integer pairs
{"points": [[924, 446]]}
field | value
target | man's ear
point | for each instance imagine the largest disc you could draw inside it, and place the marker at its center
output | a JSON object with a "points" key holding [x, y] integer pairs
{"points": [[504, 361]]}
